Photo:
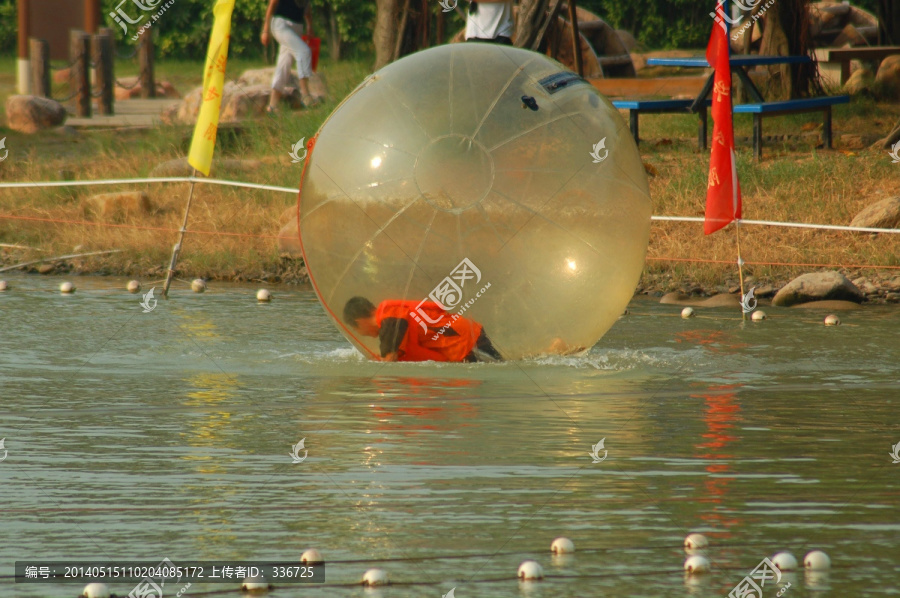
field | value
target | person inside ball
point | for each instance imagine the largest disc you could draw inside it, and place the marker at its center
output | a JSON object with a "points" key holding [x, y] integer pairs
{"points": [[419, 331]]}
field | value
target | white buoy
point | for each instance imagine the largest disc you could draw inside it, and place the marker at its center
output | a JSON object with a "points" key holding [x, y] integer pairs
{"points": [[687, 312], [375, 577], [832, 320], [198, 285], [95, 590], [263, 296], [3, 285], [695, 541], [311, 556], [67, 287], [530, 570], [562, 545], [816, 560], [134, 286], [255, 585], [758, 316], [696, 564], [785, 561]]}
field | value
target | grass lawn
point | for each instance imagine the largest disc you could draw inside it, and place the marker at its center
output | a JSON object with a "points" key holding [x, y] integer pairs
{"points": [[794, 182]]}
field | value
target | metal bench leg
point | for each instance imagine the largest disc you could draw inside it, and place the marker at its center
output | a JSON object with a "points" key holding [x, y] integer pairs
{"points": [[633, 118], [701, 134], [826, 129], [757, 136]]}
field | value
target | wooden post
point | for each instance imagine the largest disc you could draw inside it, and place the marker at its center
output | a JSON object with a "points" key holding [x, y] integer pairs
{"points": [[145, 60], [439, 39], [40, 67], [103, 58], [576, 38], [23, 69], [80, 78]]}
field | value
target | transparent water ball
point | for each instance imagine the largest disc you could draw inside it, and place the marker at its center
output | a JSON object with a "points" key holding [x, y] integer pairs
{"points": [[492, 160]]}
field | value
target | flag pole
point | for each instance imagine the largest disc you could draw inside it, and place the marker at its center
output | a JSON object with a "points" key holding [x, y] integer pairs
{"points": [[740, 263], [177, 249]]}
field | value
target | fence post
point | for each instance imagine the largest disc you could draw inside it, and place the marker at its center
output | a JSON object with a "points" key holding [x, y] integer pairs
{"points": [[145, 60], [80, 78], [103, 58], [39, 52]]}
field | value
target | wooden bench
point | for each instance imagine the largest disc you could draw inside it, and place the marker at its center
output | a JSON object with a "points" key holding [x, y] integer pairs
{"points": [[635, 107], [789, 107]]}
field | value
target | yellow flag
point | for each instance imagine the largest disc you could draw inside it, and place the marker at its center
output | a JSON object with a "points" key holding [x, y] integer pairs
{"points": [[204, 141]]}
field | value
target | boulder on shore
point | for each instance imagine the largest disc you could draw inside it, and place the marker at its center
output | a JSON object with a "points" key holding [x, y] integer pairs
{"points": [[30, 114], [881, 214], [116, 206], [817, 286], [720, 300]]}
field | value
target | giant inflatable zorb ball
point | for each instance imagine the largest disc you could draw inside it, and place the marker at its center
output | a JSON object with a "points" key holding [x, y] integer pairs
{"points": [[485, 178]]}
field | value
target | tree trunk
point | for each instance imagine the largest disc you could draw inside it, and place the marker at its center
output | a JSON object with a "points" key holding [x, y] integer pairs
{"points": [[532, 14], [334, 36], [385, 35], [787, 34]]}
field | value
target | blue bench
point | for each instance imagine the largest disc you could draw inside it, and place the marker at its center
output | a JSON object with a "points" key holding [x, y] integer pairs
{"points": [[790, 107], [635, 107]]}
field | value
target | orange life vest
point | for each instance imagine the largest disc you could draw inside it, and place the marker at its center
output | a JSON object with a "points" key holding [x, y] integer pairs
{"points": [[423, 336]]}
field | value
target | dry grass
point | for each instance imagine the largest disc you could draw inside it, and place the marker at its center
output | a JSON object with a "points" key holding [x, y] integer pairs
{"points": [[794, 182]]}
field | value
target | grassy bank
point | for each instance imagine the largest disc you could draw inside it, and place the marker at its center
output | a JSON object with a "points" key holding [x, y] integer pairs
{"points": [[795, 182]]}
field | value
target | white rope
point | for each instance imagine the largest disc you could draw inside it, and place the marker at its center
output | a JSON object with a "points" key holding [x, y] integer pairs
{"points": [[856, 229]]}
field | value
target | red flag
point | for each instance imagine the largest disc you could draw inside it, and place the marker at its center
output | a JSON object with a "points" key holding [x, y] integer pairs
{"points": [[723, 191]]}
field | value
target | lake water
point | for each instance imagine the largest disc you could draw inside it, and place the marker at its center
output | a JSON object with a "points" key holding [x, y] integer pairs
{"points": [[143, 436]]}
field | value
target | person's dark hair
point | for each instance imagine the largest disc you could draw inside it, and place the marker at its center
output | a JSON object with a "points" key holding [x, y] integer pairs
{"points": [[356, 308]]}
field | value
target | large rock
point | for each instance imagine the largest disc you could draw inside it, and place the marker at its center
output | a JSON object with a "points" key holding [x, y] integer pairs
{"points": [[720, 300], [117, 206], [881, 214], [180, 167], [860, 81], [30, 114], [888, 76], [289, 239], [128, 88], [817, 286], [245, 101]]}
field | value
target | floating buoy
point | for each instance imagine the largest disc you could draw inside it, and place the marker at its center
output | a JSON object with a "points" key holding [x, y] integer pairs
{"points": [[198, 285], [785, 561], [562, 546], [696, 564], [375, 577], [255, 585], [263, 295], [758, 316], [67, 287], [134, 286], [95, 590], [687, 312], [816, 560], [311, 556], [3, 285], [832, 320], [530, 570], [695, 541]]}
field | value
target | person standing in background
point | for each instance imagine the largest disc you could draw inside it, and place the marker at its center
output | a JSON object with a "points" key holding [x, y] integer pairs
{"points": [[284, 21], [490, 21]]}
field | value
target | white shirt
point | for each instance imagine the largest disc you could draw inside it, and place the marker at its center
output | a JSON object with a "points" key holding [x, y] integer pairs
{"points": [[491, 20]]}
